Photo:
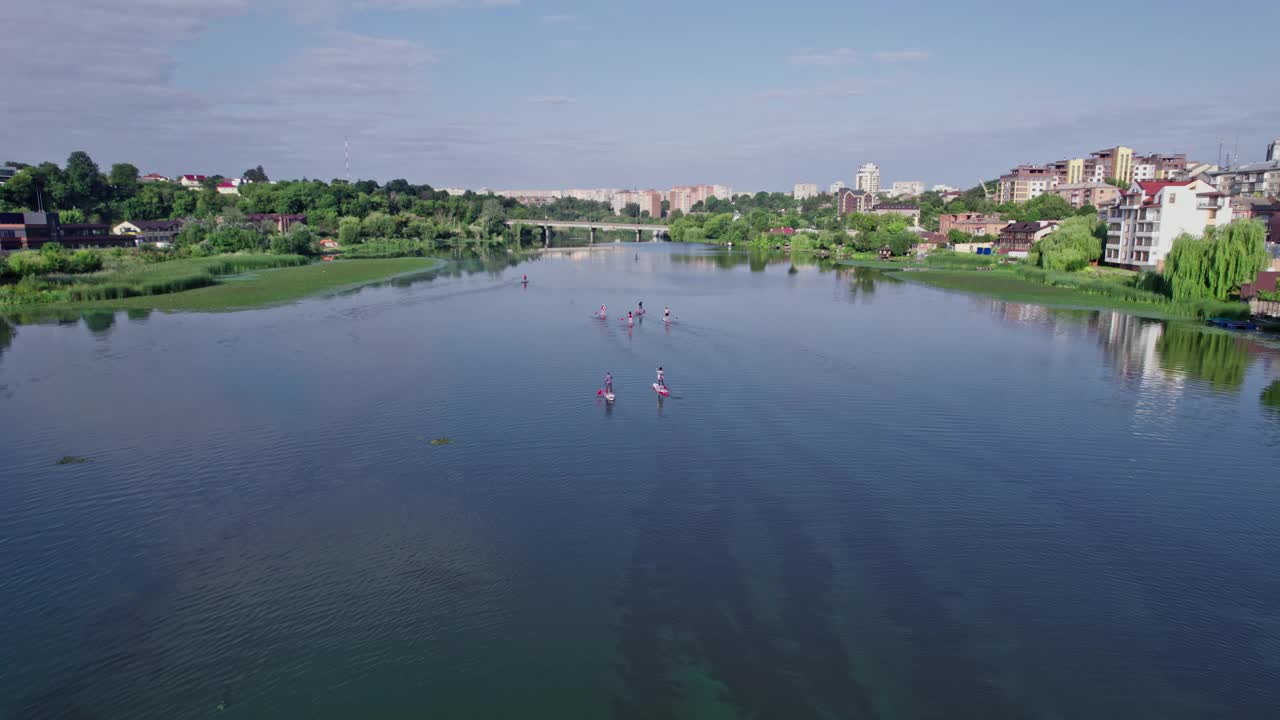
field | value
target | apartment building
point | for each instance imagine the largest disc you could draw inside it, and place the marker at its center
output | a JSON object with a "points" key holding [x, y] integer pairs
{"points": [[1260, 179], [906, 189], [804, 191], [854, 201], [1142, 226], [1026, 182], [868, 178], [1080, 194]]}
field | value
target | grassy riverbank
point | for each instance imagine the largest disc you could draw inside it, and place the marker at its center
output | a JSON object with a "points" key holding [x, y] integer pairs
{"points": [[1071, 290], [256, 288]]}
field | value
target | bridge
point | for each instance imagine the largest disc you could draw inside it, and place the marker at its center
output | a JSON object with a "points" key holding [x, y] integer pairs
{"points": [[547, 226]]}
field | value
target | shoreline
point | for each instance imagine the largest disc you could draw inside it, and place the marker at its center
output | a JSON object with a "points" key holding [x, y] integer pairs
{"points": [[252, 290]]}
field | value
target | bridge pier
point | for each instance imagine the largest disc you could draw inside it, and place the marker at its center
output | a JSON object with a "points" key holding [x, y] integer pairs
{"points": [[637, 234], [546, 236], [592, 241]]}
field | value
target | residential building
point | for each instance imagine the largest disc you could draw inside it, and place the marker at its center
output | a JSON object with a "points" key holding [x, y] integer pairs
{"points": [[31, 230], [911, 212], [7, 172], [649, 201], [945, 189], [868, 178], [1142, 226], [836, 187], [191, 182], [1080, 194], [804, 191], [1026, 182], [1264, 210], [592, 194], [680, 198], [691, 195], [153, 177], [906, 188], [854, 201], [1260, 179], [454, 191], [532, 195], [1017, 237], [971, 223], [723, 192], [150, 232], [929, 241], [1115, 163], [229, 187]]}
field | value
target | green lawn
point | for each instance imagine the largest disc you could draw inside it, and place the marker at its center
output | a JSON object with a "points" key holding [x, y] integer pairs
{"points": [[260, 288]]}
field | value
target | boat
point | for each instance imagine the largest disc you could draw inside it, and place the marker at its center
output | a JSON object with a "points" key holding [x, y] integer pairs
{"points": [[662, 390], [1232, 324]]}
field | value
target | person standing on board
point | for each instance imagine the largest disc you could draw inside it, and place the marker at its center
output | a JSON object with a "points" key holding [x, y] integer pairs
{"points": [[630, 319], [602, 311], [666, 315], [608, 383], [661, 382]]}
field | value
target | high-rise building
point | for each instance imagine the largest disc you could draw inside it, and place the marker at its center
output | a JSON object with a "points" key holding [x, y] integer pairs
{"points": [[804, 191], [1025, 182], [649, 201], [1260, 179], [868, 178], [836, 187], [722, 192]]}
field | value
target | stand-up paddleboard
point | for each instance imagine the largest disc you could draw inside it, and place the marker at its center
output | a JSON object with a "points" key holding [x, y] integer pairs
{"points": [[608, 397], [663, 391]]}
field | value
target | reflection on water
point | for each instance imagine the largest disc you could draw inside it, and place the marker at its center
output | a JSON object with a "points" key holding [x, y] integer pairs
{"points": [[1219, 358], [1271, 396]]}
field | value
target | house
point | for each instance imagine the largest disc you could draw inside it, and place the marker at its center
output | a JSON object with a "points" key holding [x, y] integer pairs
{"points": [[31, 230], [907, 210], [971, 223], [781, 231], [191, 182], [153, 177], [280, 222], [1142, 226], [1265, 282], [328, 244], [1018, 237], [929, 241], [229, 187], [1264, 210], [886, 252], [853, 201], [150, 232]]}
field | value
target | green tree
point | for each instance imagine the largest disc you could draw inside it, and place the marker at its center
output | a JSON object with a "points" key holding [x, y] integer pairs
{"points": [[298, 241], [86, 188], [377, 225], [1072, 246], [255, 175], [124, 181], [84, 261], [71, 216], [27, 263], [54, 257], [1214, 266], [349, 231]]}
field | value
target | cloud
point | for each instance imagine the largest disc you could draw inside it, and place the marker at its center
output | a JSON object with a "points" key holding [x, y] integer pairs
{"points": [[838, 56], [906, 55], [552, 100]]}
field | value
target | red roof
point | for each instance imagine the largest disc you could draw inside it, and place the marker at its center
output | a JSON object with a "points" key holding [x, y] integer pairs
{"points": [[226, 183], [155, 176], [192, 177]]}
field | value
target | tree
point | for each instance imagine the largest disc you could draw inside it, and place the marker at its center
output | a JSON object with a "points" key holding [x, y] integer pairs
{"points": [[348, 231], [1071, 247], [86, 188], [1117, 182], [631, 210], [255, 175], [54, 257], [1215, 265], [295, 242], [84, 261], [124, 181], [377, 225], [71, 216]]}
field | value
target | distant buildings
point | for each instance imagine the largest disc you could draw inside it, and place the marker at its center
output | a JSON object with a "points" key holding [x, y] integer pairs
{"points": [[153, 177], [944, 189], [906, 189], [191, 182], [836, 187], [1142, 226], [804, 191], [1118, 164], [1079, 195], [229, 187], [592, 194], [868, 178], [684, 197], [7, 172], [971, 223], [649, 201], [1260, 179]]}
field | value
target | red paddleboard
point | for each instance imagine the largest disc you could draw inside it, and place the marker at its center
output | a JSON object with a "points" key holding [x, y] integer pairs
{"points": [[664, 392]]}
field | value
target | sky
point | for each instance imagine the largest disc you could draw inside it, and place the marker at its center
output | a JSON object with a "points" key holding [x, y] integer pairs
{"points": [[532, 94]]}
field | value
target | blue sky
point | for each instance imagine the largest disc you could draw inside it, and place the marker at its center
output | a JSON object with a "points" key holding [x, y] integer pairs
{"points": [[568, 93]]}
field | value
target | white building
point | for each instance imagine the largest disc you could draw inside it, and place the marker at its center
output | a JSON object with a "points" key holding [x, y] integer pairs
{"points": [[547, 195], [592, 194], [906, 188], [804, 191], [722, 192], [945, 188], [836, 187], [1142, 226], [868, 179]]}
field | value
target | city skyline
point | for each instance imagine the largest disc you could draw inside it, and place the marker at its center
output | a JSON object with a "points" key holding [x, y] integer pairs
{"points": [[510, 93]]}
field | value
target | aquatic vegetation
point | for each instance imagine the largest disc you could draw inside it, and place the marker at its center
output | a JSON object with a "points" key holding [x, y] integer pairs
{"points": [[74, 460], [442, 441]]}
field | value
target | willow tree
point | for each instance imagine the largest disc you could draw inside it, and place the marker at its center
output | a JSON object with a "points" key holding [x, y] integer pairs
{"points": [[1070, 247], [1216, 265]]}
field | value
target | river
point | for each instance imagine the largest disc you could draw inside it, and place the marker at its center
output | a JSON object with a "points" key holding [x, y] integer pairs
{"points": [[865, 498]]}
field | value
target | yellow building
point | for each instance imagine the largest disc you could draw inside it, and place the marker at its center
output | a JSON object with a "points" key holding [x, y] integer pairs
{"points": [[1122, 164], [1075, 171]]}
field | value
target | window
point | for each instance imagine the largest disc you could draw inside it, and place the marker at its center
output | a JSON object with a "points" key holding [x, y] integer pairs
{"points": [[1173, 197]]}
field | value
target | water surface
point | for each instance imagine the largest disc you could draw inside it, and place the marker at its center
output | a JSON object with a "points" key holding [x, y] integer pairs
{"points": [[866, 498]]}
